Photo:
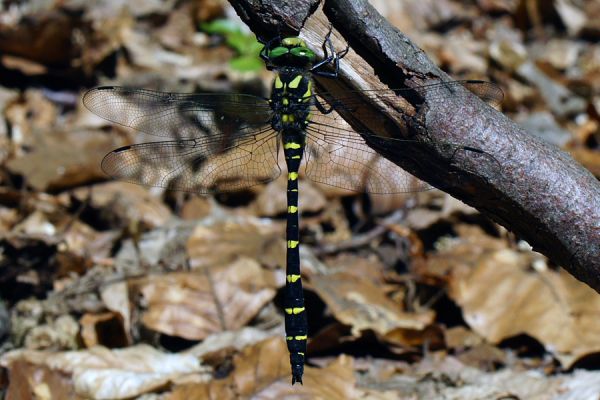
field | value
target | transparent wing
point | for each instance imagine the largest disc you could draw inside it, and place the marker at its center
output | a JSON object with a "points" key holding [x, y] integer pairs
{"points": [[338, 156], [180, 115], [487, 91], [225, 141], [191, 165]]}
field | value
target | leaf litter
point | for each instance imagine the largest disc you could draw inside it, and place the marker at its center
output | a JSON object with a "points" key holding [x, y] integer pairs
{"points": [[120, 291]]}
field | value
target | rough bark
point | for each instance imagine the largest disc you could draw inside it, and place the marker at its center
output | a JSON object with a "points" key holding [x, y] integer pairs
{"points": [[532, 188]]}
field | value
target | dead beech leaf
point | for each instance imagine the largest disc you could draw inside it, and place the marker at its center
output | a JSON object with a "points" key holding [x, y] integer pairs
{"points": [[450, 378], [263, 371], [116, 298], [100, 373], [52, 165], [239, 339], [589, 158], [362, 305], [220, 242], [105, 329], [38, 381], [272, 200], [366, 268], [502, 297], [459, 337], [195, 305], [60, 333], [126, 202], [459, 254]]}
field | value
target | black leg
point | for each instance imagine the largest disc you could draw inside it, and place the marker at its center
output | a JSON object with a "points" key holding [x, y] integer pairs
{"points": [[330, 56], [321, 107], [265, 50]]}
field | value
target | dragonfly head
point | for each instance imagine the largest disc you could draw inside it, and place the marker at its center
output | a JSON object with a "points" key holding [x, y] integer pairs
{"points": [[290, 51]]}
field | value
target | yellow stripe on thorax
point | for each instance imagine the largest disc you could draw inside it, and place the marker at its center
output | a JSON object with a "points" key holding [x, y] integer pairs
{"points": [[278, 83], [294, 83], [293, 278], [308, 92]]}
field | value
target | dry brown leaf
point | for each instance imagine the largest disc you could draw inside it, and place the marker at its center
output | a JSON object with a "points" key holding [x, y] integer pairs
{"points": [[218, 242], [239, 339], [44, 37], [502, 297], [126, 202], [369, 268], [272, 200], [362, 305], [456, 254], [197, 208], [459, 337], [116, 298], [448, 378], [60, 333], [195, 305], [263, 371], [104, 329], [100, 373], [52, 165], [29, 380], [588, 158]]}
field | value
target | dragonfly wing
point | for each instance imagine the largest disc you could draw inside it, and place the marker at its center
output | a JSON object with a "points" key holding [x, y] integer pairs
{"points": [[487, 91], [179, 115], [339, 157], [192, 165]]}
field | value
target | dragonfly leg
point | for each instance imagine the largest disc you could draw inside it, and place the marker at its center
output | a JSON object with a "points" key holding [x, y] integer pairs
{"points": [[264, 52], [330, 57], [322, 107]]}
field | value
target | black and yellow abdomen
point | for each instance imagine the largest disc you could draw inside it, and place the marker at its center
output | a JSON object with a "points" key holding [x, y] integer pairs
{"points": [[291, 100]]}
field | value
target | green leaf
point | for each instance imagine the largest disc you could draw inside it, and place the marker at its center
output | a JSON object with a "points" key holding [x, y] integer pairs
{"points": [[238, 41], [245, 44], [246, 63], [221, 27]]}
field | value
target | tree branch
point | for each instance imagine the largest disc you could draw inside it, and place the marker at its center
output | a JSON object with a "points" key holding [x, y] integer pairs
{"points": [[533, 189]]}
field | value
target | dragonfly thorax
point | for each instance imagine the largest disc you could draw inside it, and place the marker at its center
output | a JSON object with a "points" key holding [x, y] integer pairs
{"points": [[291, 97]]}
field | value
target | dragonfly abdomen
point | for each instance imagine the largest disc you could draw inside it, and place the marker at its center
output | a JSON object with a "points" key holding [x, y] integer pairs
{"points": [[295, 313], [291, 100]]}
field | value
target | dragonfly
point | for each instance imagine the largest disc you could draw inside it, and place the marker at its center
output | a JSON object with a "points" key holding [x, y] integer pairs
{"points": [[223, 142]]}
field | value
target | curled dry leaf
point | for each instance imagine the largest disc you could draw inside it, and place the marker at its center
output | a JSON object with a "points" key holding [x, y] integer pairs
{"points": [[104, 329], [589, 158], [116, 298], [51, 165], [100, 373], [125, 202], [194, 305], [503, 297], [262, 371], [219, 242], [239, 339], [364, 306], [38, 381], [58, 334], [449, 378]]}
